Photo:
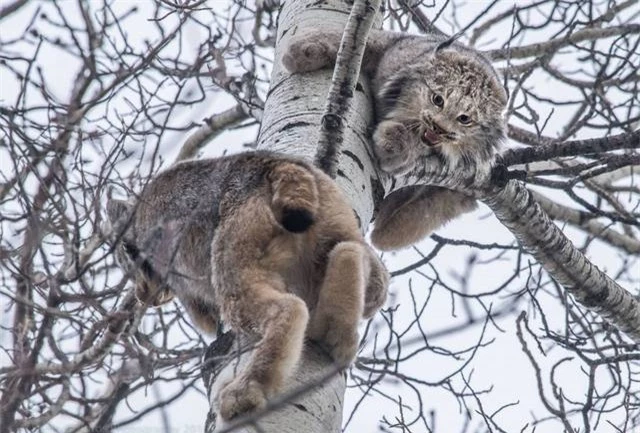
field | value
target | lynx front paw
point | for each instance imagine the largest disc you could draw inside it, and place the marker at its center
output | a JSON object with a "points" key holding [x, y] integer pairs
{"points": [[340, 341], [239, 397], [306, 55], [392, 147]]}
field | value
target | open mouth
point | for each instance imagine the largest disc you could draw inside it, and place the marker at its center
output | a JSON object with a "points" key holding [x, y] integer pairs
{"points": [[430, 138], [432, 135]]}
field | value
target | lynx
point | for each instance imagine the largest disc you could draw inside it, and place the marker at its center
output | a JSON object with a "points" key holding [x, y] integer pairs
{"points": [[433, 98], [266, 244]]}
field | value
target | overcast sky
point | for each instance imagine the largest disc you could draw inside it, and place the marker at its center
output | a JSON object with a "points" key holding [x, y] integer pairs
{"points": [[501, 367]]}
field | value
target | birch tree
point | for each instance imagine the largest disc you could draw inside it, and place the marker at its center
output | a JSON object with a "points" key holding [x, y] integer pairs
{"points": [[89, 108]]}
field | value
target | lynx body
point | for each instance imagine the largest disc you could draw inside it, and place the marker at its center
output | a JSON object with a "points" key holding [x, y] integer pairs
{"points": [[433, 99], [265, 243]]}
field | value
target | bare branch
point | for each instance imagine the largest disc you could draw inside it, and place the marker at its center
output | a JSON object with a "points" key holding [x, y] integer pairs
{"points": [[213, 126], [545, 48]]}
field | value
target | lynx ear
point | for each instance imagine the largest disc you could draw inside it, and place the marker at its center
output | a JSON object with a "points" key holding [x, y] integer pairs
{"points": [[119, 213], [117, 209]]}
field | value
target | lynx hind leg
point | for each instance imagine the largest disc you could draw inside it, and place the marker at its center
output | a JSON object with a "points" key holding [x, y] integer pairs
{"points": [[203, 314], [377, 284], [280, 319], [410, 214], [253, 300], [294, 196], [311, 51], [340, 303]]}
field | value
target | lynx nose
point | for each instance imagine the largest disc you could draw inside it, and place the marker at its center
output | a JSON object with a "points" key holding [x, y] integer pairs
{"points": [[438, 129]]}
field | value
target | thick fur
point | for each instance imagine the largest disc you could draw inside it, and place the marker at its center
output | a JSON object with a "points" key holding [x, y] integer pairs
{"points": [[426, 90], [267, 244]]}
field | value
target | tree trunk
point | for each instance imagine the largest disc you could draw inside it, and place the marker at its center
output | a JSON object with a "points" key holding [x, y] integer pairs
{"points": [[294, 109], [291, 120]]}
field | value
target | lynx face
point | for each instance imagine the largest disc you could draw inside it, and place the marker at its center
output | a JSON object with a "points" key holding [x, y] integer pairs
{"points": [[451, 108]]}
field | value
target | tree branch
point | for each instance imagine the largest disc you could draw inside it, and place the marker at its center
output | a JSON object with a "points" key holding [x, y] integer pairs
{"points": [[545, 48], [11, 8], [588, 223], [516, 208], [213, 127], [514, 205], [343, 83], [556, 149]]}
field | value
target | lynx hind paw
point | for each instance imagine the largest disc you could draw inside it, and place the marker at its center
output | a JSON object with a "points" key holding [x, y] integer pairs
{"points": [[341, 342], [305, 55], [240, 397], [377, 285]]}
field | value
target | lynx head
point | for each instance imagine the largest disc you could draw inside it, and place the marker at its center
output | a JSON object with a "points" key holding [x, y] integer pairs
{"points": [[450, 107], [150, 289]]}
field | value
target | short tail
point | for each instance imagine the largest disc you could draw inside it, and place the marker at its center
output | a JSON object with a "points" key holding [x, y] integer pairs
{"points": [[294, 196]]}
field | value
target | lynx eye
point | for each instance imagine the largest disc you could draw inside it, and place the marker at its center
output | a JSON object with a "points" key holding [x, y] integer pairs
{"points": [[437, 100], [464, 119]]}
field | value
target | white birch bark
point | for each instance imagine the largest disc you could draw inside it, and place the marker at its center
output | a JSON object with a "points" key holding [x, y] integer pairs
{"points": [[291, 122], [296, 103]]}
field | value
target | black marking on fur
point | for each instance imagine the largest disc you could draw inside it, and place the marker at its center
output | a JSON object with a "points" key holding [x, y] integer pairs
{"points": [[136, 257], [390, 94], [215, 355], [296, 220], [377, 191], [531, 203]]}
